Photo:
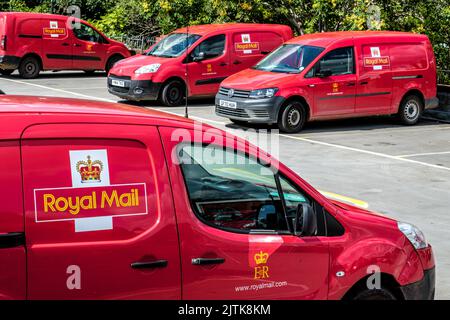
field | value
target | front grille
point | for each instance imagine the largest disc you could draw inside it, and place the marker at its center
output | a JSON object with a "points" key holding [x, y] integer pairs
{"points": [[119, 89], [239, 113], [260, 113], [237, 93], [113, 76]]}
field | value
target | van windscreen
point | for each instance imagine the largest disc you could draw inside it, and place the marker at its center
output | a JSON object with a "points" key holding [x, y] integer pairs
{"points": [[173, 45], [289, 58]]}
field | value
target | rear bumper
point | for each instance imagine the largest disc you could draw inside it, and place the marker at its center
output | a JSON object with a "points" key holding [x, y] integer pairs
{"points": [[431, 103], [251, 110], [136, 90], [423, 289], [9, 62]]}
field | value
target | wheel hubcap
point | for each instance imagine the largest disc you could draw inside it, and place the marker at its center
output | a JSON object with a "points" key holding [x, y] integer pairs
{"points": [[412, 110], [30, 68], [293, 117], [174, 94]]}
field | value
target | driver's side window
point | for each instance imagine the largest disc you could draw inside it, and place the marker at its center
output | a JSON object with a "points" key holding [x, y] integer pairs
{"points": [[232, 191], [211, 48], [336, 62], [86, 33]]}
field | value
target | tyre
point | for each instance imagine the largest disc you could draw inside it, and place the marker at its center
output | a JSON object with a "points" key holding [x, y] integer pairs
{"points": [[173, 93], [292, 117], [6, 72], [410, 110], [111, 62], [29, 68], [375, 294], [239, 122]]}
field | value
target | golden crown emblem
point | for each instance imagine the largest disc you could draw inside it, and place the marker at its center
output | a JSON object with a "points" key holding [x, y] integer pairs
{"points": [[261, 257], [89, 170]]}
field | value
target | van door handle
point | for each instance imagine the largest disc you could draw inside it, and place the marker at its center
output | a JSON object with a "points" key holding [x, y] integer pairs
{"points": [[12, 240], [207, 261], [65, 44], [149, 264], [363, 82], [77, 45], [350, 84], [265, 52], [237, 62], [223, 64]]}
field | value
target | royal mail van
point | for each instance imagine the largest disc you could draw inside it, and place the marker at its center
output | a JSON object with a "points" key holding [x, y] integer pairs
{"points": [[334, 75], [32, 42], [214, 52], [108, 201]]}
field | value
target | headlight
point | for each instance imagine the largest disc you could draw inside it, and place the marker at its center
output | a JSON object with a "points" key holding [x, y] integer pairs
{"points": [[263, 93], [414, 235], [151, 68]]}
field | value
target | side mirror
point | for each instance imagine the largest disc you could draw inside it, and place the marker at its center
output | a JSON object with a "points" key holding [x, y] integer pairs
{"points": [[305, 221], [324, 73], [201, 56]]}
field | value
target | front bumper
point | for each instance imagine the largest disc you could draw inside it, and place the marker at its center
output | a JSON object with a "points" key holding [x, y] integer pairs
{"points": [[9, 62], [423, 289], [136, 90], [431, 103], [250, 110]]}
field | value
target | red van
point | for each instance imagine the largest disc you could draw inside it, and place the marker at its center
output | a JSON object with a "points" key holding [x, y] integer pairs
{"points": [[32, 42], [334, 75], [108, 201], [214, 53]]}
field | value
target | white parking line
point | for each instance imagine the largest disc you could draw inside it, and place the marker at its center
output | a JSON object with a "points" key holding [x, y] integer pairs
{"points": [[332, 145], [423, 154]]}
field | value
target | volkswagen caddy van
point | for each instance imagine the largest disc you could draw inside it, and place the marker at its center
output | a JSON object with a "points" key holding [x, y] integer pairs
{"points": [[108, 201], [33, 42], [334, 75], [198, 57]]}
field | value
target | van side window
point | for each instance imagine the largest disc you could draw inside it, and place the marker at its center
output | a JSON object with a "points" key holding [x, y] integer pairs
{"points": [[234, 192], [212, 47], [339, 62], [86, 33]]}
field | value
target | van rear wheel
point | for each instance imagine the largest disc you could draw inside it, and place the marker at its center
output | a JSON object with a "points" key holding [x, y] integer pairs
{"points": [[173, 93], [29, 68], [410, 110], [292, 117], [111, 62]]}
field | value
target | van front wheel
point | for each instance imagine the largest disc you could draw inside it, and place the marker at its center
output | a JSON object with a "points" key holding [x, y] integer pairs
{"points": [[173, 93], [292, 118], [29, 68], [410, 110], [375, 294]]}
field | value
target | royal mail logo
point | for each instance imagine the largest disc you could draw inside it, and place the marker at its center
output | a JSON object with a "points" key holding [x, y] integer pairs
{"points": [[54, 31], [92, 201], [376, 61], [261, 269], [335, 87], [89, 170], [247, 46], [74, 203]]}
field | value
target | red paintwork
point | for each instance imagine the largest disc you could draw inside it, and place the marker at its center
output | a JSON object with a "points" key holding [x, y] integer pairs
{"points": [[34, 25], [220, 67], [405, 59], [35, 138]]}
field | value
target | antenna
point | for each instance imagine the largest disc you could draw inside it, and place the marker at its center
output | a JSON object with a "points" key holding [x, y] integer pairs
{"points": [[186, 111]]}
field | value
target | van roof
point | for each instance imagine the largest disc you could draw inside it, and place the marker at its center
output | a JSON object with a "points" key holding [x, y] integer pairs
{"points": [[324, 39], [207, 28], [33, 15], [53, 105]]}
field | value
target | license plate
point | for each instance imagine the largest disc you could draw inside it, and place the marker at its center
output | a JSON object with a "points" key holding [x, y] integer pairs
{"points": [[118, 83], [228, 104]]}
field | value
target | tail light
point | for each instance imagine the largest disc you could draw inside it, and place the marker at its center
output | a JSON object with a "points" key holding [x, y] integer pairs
{"points": [[3, 43]]}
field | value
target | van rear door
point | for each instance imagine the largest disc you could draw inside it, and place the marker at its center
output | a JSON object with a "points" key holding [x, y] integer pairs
{"points": [[12, 240], [57, 44], [99, 216], [374, 86]]}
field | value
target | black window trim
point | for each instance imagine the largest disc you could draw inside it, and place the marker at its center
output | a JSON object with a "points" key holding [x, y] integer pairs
{"points": [[277, 176], [203, 40], [320, 57]]}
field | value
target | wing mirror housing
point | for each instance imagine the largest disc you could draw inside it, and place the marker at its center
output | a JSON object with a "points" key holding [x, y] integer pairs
{"points": [[200, 57], [305, 221]]}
